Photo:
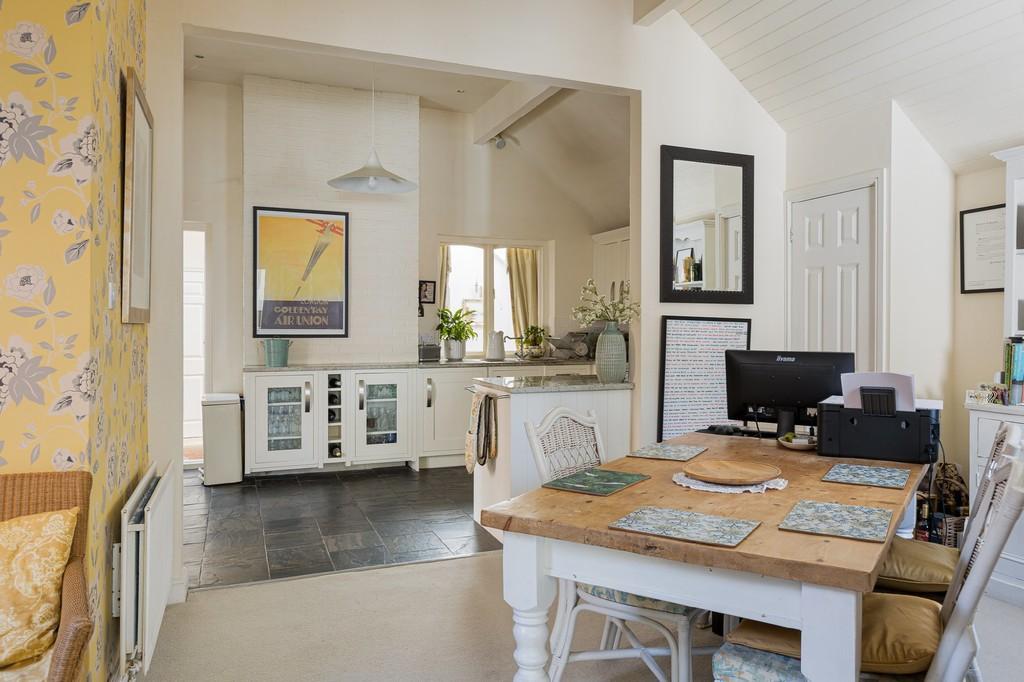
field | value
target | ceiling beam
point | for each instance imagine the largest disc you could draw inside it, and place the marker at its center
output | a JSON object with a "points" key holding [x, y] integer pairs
{"points": [[507, 106], [646, 12]]}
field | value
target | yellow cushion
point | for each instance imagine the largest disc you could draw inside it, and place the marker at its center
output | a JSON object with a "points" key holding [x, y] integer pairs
{"points": [[916, 566], [33, 553], [899, 634]]}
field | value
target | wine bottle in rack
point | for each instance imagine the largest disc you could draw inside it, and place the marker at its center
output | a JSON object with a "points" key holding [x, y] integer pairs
{"points": [[334, 381], [335, 450], [333, 399], [333, 416]]}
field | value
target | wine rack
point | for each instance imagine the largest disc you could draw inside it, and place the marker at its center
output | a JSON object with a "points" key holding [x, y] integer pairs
{"points": [[335, 401]]}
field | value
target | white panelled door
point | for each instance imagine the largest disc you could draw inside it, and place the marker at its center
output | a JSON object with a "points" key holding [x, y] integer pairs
{"points": [[832, 279], [194, 332]]}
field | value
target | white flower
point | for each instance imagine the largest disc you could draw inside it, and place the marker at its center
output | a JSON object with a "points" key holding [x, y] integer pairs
{"points": [[26, 39], [79, 388], [11, 116], [80, 153], [26, 282], [65, 460], [63, 222]]}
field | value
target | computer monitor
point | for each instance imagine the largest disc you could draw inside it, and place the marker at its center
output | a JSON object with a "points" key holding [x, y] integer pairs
{"points": [[780, 386]]}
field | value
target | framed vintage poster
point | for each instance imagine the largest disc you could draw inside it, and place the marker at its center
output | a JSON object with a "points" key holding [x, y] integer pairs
{"points": [[300, 272], [692, 392], [982, 249], [137, 226]]}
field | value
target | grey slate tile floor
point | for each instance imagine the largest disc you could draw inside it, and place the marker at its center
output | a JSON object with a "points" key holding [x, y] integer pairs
{"points": [[284, 526]]}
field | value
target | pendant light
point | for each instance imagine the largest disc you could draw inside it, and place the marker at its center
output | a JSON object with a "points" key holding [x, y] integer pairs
{"points": [[372, 178]]}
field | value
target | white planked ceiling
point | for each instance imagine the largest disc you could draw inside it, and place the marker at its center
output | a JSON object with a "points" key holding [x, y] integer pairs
{"points": [[956, 67]]}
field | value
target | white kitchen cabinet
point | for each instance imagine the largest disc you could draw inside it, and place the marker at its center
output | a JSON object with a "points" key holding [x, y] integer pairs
{"points": [[381, 417], [554, 370], [611, 260], [284, 407], [1008, 578], [445, 404]]}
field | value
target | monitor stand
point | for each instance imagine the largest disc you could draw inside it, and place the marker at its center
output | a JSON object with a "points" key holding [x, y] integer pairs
{"points": [[785, 421]]}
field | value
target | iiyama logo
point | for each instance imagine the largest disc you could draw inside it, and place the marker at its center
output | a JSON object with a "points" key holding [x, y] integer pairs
{"points": [[785, 358]]}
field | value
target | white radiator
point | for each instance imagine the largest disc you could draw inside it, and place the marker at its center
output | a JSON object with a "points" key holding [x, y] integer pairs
{"points": [[142, 568]]}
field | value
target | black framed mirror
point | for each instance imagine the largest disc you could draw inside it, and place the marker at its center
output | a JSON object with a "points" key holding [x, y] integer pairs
{"points": [[707, 226]]}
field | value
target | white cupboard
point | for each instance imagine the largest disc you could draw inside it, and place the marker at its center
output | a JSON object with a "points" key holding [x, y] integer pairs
{"points": [[285, 422], [1007, 581], [297, 419]]}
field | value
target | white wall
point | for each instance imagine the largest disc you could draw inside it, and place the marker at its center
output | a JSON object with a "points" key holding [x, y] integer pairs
{"points": [[921, 256], [213, 195], [978, 318], [481, 191], [297, 137], [839, 147], [680, 94]]}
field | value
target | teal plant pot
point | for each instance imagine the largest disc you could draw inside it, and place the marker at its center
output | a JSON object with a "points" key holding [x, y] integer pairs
{"points": [[276, 352], [610, 355]]}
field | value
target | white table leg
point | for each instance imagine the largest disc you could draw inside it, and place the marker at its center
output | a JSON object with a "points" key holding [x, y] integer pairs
{"points": [[908, 522], [529, 591], [830, 634]]}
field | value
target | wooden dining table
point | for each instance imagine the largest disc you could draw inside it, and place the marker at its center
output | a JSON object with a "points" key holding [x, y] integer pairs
{"points": [[812, 583]]}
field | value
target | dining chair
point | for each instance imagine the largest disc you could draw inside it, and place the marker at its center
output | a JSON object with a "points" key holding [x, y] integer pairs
{"points": [[920, 567], [933, 643], [564, 443]]}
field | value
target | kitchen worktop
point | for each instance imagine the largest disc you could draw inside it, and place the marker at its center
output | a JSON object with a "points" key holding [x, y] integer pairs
{"points": [[560, 383], [470, 363]]}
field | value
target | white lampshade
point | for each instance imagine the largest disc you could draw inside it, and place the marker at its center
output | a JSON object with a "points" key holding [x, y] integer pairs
{"points": [[372, 178]]}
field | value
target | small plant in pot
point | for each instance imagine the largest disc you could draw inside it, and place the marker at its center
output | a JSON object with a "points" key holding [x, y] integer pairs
{"points": [[455, 327], [534, 341]]}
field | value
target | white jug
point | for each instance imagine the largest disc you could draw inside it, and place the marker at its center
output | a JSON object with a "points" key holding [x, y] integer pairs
{"points": [[496, 346]]}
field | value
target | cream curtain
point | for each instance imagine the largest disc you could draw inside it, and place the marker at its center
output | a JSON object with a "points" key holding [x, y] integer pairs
{"points": [[442, 278], [522, 279]]}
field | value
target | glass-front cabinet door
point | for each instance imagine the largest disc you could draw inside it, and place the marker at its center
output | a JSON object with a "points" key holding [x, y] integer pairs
{"points": [[284, 421], [381, 415]]}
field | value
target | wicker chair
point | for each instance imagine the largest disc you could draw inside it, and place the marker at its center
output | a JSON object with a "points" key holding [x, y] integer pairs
{"points": [[24, 494], [567, 442]]}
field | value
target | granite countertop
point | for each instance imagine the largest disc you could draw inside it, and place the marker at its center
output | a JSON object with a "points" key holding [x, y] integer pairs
{"points": [[563, 383], [471, 363]]}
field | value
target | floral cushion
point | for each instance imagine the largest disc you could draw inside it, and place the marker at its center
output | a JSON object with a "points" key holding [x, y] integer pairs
{"points": [[737, 663], [34, 550], [29, 670], [634, 600]]}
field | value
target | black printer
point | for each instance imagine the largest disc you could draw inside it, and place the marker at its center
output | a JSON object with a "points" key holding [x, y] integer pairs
{"points": [[877, 430]]}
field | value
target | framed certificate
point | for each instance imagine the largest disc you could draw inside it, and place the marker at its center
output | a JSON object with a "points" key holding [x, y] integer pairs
{"points": [[982, 249]]}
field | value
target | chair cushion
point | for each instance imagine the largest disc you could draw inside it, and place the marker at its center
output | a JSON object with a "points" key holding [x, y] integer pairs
{"points": [[899, 634], [34, 550], [634, 600], [30, 670], [917, 566], [735, 663]]}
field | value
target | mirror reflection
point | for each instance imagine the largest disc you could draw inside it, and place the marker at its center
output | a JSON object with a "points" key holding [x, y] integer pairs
{"points": [[707, 227]]}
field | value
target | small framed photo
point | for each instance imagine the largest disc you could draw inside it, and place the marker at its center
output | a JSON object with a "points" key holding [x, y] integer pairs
{"points": [[428, 291]]}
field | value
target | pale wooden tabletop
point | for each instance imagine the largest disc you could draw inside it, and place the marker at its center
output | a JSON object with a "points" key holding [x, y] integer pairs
{"points": [[822, 560]]}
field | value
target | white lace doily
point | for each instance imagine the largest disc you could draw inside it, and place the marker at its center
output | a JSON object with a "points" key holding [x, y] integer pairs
{"points": [[687, 482]]}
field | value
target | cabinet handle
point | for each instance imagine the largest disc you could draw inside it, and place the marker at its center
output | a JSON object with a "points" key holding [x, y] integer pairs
{"points": [[309, 395], [430, 392], [362, 394]]}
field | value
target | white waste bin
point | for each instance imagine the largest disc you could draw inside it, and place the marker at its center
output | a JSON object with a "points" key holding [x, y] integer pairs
{"points": [[222, 439]]}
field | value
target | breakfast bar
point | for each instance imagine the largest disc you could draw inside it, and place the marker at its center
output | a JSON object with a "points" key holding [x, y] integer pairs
{"points": [[808, 582]]}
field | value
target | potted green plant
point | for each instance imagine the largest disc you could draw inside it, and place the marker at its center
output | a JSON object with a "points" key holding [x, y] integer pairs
{"points": [[455, 327], [533, 341], [610, 355]]}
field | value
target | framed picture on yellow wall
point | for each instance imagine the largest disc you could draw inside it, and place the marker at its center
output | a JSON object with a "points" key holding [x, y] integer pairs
{"points": [[300, 272], [138, 205]]}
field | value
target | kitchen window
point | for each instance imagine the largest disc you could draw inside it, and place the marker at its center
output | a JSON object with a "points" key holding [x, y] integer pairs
{"points": [[479, 278]]}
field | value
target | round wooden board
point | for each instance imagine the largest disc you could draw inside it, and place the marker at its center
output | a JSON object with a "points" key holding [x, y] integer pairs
{"points": [[726, 472]]}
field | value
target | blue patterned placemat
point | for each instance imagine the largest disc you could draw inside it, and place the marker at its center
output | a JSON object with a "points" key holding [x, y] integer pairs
{"points": [[676, 453], [839, 520], [684, 525], [860, 474], [596, 481]]}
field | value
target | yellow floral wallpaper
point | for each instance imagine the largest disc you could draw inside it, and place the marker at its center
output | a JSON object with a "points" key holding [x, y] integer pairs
{"points": [[72, 377]]}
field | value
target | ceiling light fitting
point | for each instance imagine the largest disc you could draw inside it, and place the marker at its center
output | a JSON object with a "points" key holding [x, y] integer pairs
{"points": [[372, 178]]}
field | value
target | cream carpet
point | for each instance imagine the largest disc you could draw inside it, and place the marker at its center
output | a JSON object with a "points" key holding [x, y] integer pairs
{"points": [[430, 621]]}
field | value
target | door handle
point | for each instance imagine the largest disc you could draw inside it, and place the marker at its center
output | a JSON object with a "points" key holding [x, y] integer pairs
{"points": [[308, 391], [362, 394], [430, 392]]}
